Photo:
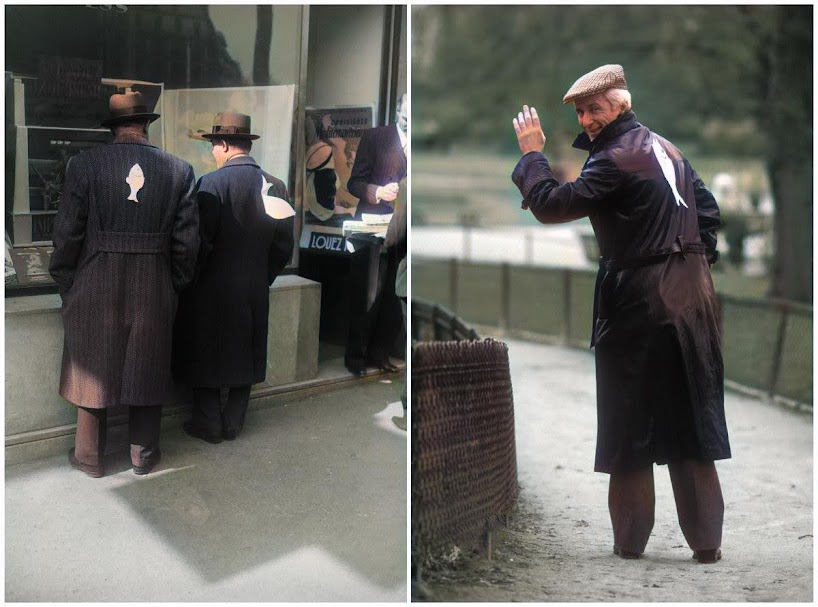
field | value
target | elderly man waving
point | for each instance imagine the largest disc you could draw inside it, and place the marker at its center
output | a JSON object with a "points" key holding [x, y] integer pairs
{"points": [[657, 335]]}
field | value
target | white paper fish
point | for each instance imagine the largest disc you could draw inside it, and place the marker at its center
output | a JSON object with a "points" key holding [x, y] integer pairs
{"points": [[667, 169], [275, 207], [135, 179]]}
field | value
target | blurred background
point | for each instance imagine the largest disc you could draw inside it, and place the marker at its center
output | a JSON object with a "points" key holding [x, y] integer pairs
{"points": [[731, 86]]}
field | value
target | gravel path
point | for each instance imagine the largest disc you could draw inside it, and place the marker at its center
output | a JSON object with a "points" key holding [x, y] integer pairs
{"points": [[558, 546]]}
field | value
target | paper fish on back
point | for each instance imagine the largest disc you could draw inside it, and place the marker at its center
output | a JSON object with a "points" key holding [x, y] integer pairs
{"points": [[667, 169], [275, 207], [135, 179]]}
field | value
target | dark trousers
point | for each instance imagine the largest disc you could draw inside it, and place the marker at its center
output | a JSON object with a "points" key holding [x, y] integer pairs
{"points": [[143, 434], [209, 414], [375, 322], [699, 505]]}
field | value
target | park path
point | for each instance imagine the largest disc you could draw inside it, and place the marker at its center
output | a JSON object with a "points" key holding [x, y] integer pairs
{"points": [[558, 546]]}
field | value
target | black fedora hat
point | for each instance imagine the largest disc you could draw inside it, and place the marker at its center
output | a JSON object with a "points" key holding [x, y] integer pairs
{"points": [[127, 106], [230, 125]]}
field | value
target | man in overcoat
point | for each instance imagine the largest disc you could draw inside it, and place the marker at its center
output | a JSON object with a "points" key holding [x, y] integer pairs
{"points": [[125, 244], [380, 167], [246, 230], [657, 334]]}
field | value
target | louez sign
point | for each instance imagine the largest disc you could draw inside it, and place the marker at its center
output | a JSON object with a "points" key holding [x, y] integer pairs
{"points": [[320, 241]]}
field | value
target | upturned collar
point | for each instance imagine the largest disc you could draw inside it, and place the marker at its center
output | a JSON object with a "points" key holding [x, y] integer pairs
{"points": [[624, 123], [132, 138], [240, 161]]}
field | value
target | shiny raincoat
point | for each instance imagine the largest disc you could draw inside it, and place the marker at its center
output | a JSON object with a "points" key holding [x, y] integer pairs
{"points": [[657, 329]]}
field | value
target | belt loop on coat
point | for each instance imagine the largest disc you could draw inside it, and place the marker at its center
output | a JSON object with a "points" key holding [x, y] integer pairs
{"points": [[679, 246]]}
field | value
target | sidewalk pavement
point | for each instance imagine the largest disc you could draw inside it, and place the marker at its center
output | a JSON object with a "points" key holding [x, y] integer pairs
{"points": [[558, 546], [309, 504]]}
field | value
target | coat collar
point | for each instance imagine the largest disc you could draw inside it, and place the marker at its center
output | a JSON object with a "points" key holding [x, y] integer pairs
{"points": [[240, 161], [132, 138], [624, 123]]}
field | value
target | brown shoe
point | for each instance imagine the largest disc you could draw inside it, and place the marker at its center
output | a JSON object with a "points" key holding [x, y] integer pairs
{"points": [[706, 557], [92, 471], [148, 465], [626, 554]]}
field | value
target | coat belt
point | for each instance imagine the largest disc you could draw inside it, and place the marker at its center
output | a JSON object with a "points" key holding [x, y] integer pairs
{"points": [[130, 242], [679, 246]]}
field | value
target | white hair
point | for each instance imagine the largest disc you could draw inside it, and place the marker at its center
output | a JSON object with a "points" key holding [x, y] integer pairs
{"points": [[619, 98]]}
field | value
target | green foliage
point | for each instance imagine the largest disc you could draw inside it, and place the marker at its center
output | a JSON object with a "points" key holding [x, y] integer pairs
{"points": [[698, 74]]}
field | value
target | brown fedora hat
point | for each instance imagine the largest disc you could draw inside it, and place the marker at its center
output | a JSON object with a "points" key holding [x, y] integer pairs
{"points": [[230, 125], [127, 106]]}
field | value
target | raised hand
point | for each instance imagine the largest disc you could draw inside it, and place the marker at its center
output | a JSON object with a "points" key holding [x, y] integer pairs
{"points": [[529, 133]]}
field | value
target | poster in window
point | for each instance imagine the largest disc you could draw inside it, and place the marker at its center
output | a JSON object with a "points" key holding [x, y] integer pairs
{"points": [[332, 136]]}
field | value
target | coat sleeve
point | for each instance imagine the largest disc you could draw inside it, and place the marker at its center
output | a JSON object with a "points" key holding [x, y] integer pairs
{"points": [[707, 211], [69, 227], [551, 202], [209, 204], [184, 240], [359, 184], [281, 248]]}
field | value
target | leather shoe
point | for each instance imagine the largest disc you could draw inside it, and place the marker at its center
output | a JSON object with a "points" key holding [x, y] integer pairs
{"points": [[357, 369], [146, 467], [92, 471], [193, 430], [707, 557], [626, 554], [384, 364], [388, 366], [228, 434]]}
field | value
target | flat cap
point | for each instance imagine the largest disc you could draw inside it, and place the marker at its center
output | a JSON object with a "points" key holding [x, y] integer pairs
{"points": [[605, 77]]}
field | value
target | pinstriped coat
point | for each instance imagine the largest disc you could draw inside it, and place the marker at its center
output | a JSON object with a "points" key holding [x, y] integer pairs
{"points": [[119, 263], [380, 160]]}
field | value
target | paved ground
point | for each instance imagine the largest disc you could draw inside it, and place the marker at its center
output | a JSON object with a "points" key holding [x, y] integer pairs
{"points": [[308, 505], [558, 545]]}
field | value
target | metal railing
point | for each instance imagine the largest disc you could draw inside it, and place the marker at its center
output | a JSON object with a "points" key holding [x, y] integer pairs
{"points": [[767, 343], [433, 322]]}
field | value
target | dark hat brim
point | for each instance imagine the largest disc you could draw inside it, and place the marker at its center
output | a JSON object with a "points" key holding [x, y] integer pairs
{"points": [[248, 136], [130, 118]]}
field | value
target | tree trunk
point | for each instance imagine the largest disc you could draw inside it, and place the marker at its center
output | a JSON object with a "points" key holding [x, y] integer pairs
{"points": [[788, 118]]}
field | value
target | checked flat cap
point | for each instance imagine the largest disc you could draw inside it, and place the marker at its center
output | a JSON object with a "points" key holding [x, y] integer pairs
{"points": [[605, 77]]}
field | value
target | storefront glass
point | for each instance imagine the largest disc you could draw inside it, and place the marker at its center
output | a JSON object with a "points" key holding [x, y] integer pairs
{"points": [[274, 63], [64, 62]]}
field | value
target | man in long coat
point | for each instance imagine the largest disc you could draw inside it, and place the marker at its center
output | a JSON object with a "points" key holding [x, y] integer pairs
{"points": [[380, 167], [220, 343], [657, 334], [125, 243]]}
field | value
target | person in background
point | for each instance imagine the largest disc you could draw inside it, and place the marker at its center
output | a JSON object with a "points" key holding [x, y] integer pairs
{"points": [[379, 169]]}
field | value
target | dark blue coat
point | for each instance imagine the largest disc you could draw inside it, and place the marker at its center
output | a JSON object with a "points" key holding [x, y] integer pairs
{"points": [[119, 260], [657, 329], [221, 328]]}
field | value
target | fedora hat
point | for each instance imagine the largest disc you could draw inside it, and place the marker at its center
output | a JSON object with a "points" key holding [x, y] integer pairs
{"points": [[230, 125], [127, 106]]}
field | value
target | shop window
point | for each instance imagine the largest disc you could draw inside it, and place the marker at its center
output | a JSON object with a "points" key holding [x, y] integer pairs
{"points": [[58, 56]]}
